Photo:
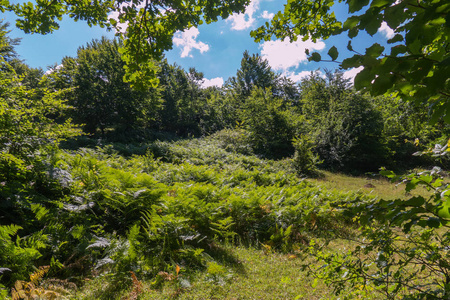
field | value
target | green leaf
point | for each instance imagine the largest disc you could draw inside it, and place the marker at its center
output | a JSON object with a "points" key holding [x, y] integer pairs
{"points": [[394, 15], [433, 222], [349, 46], [411, 185], [382, 84], [375, 50], [444, 212], [333, 53], [415, 201], [351, 22], [353, 32], [380, 3], [387, 173], [352, 62], [395, 39], [315, 57], [399, 49], [364, 78], [356, 5]]}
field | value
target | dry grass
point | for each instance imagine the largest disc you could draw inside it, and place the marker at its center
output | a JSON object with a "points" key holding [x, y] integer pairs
{"points": [[371, 184]]}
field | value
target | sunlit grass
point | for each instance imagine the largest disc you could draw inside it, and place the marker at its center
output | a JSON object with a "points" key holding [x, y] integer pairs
{"points": [[258, 275], [372, 184]]}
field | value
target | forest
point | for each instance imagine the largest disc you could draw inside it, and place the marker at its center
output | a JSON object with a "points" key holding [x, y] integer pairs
{"points": [[122, 177]]}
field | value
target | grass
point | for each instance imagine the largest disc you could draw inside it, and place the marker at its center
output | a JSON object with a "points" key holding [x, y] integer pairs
{"points": [[256, 274], [372, 184]]}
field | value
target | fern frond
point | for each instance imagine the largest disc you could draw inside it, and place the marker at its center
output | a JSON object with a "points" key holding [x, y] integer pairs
{"points": [[39, 211], [39, 274], [101, 242], [137, 287], [6, 231]]}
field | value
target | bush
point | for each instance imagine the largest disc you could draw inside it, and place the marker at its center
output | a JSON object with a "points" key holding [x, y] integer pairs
{"points": [[344, 125], [234, 140], [271, 125], [305, 161]]}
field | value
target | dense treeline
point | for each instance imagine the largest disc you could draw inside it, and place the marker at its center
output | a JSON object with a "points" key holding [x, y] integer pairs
{"points": [[349, 131]]}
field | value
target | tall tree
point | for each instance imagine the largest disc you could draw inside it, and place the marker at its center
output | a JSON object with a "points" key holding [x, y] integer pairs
{"points": [[344, 125], [182, 98], [8, 53], [7, 43], [255, 72], [100, 96], [272, 126]]}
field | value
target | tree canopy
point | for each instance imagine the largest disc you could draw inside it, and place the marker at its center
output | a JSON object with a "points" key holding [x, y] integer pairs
{"points": [[146, 27], [418, 63]]}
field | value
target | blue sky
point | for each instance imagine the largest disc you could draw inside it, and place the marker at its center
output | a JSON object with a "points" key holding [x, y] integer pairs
{"points": [[215, 49]]}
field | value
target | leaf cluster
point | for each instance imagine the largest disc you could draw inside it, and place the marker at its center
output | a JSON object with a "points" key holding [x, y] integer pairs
{"points": [[417, 66]]}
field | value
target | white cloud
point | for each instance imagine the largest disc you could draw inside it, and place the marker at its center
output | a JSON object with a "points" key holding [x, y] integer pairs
{"points": [[386, 30], [218, 81], [245, 20], [267, 15], [283, 55], [187, 40], [350, 74], [51, 70]]}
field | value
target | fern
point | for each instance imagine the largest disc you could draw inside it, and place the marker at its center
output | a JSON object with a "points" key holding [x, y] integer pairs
{"points": [[7, 231], [137, 287], [32, 288]]}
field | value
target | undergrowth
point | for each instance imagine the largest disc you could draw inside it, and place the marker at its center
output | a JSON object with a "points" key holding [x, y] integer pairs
{"points": [[172, 207]]}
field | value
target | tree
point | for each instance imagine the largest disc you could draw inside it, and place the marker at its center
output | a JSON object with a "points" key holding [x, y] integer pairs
{"points": [[7, 43], [100, 96], [146, 27], [7, 52], [182, 100], [272, 126], [255, 72], [418, 65], [344, 125]]}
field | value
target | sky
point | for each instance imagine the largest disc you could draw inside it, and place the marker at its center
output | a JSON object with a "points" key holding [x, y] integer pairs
{"points": [[214, 49]]}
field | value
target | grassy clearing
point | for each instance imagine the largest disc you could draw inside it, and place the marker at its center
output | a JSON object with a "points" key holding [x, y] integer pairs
{"points": [[255, 274], [372, 184]]}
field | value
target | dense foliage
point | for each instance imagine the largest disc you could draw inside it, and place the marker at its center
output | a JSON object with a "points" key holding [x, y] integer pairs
{"points": [[100, 97], [403, 250], [345, 126], [417, 66]]}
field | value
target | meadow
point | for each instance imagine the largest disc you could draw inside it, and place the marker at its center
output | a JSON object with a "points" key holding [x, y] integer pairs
{"points": [[187, 220]]}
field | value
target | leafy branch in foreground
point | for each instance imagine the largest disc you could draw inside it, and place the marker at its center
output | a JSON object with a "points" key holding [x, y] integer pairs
{"points": [[146, 27], [403, 248], [418, 64]]}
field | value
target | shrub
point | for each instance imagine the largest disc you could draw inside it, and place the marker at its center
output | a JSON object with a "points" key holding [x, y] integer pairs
{"points": [[234, 140], [344, 125], [271, 125], [304, 160]]}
